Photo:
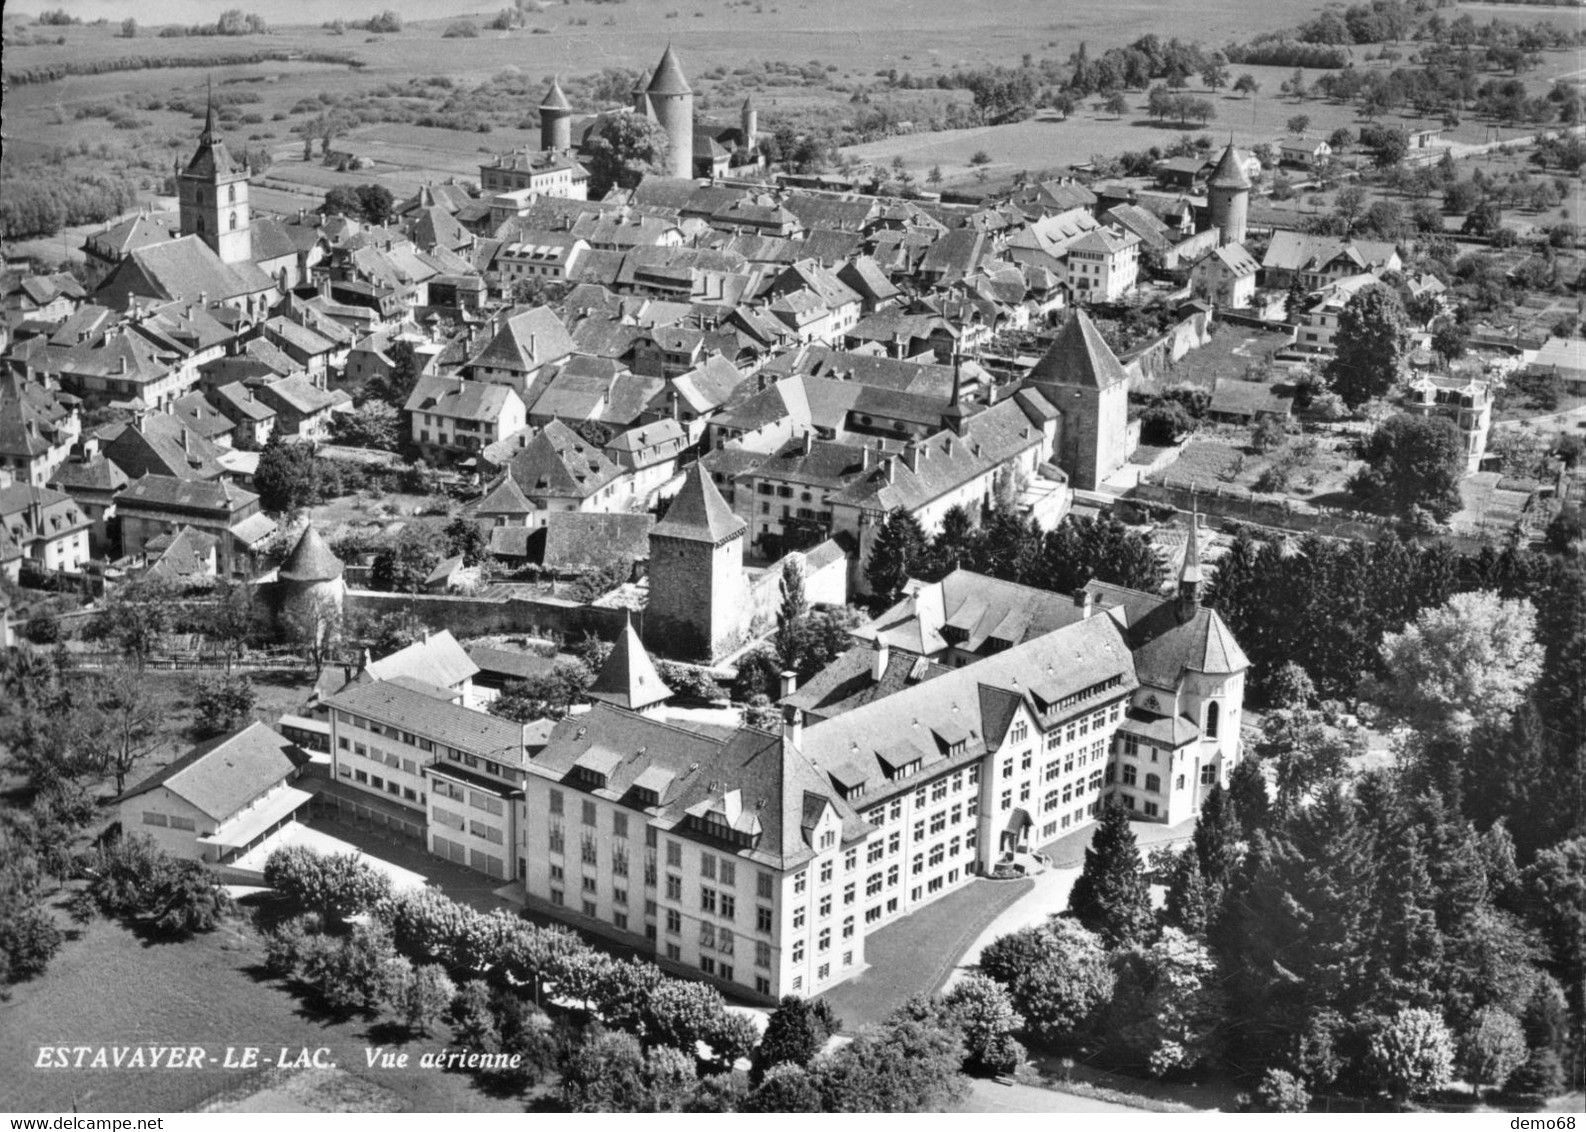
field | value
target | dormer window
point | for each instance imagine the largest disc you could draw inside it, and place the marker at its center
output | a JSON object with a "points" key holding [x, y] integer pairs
{"points": [[828, 839]]}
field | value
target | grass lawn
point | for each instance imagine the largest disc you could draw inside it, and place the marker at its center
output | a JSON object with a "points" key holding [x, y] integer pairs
{"points": [[916, 954], [109, 988]]}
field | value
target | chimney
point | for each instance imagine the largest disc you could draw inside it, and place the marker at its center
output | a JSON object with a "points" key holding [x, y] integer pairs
{"points": [[889, 465], [789, 683], [1085, 602], [363, 662], [911, 456], [793, 725], [880, 654], [808, 442]]}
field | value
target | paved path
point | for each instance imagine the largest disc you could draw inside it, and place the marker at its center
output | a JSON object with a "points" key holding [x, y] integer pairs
{"points": [[988, 1096]]}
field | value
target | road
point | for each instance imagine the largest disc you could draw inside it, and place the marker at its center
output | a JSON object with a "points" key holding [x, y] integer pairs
{"points": [[988, 1096]]}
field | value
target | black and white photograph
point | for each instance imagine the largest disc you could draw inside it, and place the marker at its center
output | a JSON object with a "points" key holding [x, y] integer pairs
{"points": [[792, 556]]}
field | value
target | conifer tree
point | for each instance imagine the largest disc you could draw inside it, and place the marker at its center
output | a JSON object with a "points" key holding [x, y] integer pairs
{"points": [[1247, 789], [894, 556], [1111, 896], [1186, 895], [1216, 842], [955, 546]]}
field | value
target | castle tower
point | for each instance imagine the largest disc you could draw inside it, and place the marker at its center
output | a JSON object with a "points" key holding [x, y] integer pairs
{"points": [[697, 601], [556, 119], [672, 100], [212, 195], [749, 123], [1083, 379], [628, 679], [311, 585], [1228, 194]]}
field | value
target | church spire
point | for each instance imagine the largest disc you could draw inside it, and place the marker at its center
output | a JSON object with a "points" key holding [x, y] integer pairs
{"points": [[1190, 577]]}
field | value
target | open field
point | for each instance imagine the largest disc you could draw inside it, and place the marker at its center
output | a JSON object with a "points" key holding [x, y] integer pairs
{"points": [[108, 988]]}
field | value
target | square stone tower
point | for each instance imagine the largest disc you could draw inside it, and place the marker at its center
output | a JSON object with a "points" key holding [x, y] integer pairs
{"points": [[1083, 379], [698, 602]]}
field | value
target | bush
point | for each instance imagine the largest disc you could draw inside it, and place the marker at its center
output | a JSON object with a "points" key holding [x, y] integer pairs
{"points": [[462, 29], [1165, 423], [336, 887], [1282, 1091]]}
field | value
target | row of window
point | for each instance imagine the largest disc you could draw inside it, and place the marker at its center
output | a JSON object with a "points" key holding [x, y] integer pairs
{"points": [[171, 821], [377, 782]]}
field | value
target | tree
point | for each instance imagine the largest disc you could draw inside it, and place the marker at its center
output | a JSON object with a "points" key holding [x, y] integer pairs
{"points": [[1282, 1091], [786, 1087], [1412, 462], [1080, 550], [221, 704], [1491, 1048], [1388, 146], [396, 385], [1371, 343], [1299, 123], [232, 618], [1307, 754], [1057, 978], [1187, 904], [137, 618], [315, 626], [1111, 896], [546, 696], [796, 1031], [288, 476], [1412, 1053], [986, 1017], [1268, 434], [894, 555], [1165, 424], [1166, 1010], [604, 1071], [908, 1064], [123, 719], [627, 147], [375, 203], [793, 615], [1215, 74], [1555, 890], [403, 566], [341, 200], [682, 1013], [336, 886], [466, 537], [1246, 84], [373, 424], [1467, 663], [1116, 105]]}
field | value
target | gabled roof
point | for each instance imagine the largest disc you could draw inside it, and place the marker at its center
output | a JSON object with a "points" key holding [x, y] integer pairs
{"points": [[311, 560], [222, 776], [698, 513], [558, 462], [577, 540], [437, 659], [628, 678], [1081, 357], [439, 720], [506, 498], [527, 341], [848, 682]]}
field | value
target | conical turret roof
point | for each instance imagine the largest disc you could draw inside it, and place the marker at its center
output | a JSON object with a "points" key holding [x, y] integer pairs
{"points": [[1230, 171], [699, 513], [311, 560], [669, 76], [748, 101], [554, 98], [1191, 573], [1080, 356], [628, 679], [642, 83]]}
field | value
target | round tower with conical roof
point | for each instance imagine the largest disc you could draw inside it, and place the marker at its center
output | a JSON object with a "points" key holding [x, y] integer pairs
{"points": [[310, 581], [556, 119], [672, 102], [640, 95], [1228, 196], [749, 123]]}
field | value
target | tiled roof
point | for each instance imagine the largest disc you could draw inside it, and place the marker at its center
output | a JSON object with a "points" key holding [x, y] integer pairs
{"points": [[668, 78], [698, 513], [848, 682], [576, 540], [1230, 171], [554, 98], [435, 719], [222, 776], [558, 462], [157, 492], [459, 398], [628, 678], [1080, 356], [311, 559]]}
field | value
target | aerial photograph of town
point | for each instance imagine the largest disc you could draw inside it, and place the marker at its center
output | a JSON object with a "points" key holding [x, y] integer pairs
{"points": [[792, 556]]}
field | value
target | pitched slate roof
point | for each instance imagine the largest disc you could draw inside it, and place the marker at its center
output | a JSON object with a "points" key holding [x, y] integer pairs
{"points": [[554, 98], [848, 682], [506, 498], [437, 659], [511, 663], [577, 540], [698, 513], [527, 341], [628, 678], [184, 268], [153, 492], [971, 706], [459, 398], [224, 775], [558, 462], [185, 555], [1080, 356], [311, 560], [434, 718]]}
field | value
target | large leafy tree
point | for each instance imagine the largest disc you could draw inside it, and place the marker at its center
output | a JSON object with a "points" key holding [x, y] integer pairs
{"points": [[1057, 976], [402, 566], [1412, 462], [1081, 549], [1111, 896], [288, 476], [1167, 1009], [1468, 662], [1412, 1053], [627, 147], [1372, 341]]}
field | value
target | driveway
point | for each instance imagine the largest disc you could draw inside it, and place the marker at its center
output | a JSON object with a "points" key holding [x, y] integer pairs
{"points": [[988, 1096]]}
